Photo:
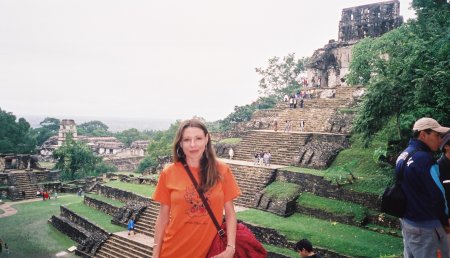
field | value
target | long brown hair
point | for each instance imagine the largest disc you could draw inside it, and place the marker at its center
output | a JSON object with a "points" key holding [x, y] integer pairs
{"points": [[209, 175]]}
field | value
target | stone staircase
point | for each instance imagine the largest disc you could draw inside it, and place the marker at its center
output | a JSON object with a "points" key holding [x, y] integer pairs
{"points": [[321, 103], [24, 182], [316, 119], [346, 92], [122, 247], [282, 146], [146, 222], [319, 114], [251, 180], [343, 98]]}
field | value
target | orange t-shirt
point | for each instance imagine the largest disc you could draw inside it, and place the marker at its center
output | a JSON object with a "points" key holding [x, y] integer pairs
{"points": [[190, 230]]}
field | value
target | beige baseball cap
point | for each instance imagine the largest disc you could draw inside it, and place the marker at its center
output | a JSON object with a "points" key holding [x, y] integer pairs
{"points": [[429, 123]]}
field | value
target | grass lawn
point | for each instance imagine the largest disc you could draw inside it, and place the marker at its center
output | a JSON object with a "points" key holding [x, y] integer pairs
{"points": [[282, 190], [28, 233], [371, 177], [94, 216], [316, 172], [115, 203], [309, 200], [141, 189], [341, 238], [283, 251]]}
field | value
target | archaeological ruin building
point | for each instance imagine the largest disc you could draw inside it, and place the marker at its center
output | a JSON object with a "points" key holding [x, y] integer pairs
{"points": [[303, 142], [329, 64], [108, 147]]}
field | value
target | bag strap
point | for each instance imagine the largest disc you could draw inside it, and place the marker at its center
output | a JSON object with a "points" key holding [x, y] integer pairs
{"points": [[220, 231], [399, 175]]}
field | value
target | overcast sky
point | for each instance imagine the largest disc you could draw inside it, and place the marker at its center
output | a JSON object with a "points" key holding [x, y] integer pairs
{"points": [[151, 59]]}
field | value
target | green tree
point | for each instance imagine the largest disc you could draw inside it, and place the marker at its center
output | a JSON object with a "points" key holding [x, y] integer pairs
{"points": [[131, 135], [93, 128], [51, 124], [103, 167], [405, 72], [160, 145], [15, 137], [281, 75], [75, 159], [49, 127], [243, 113]]}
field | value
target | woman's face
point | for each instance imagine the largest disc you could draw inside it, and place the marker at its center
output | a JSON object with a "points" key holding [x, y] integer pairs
{"points": [[193, 142]]}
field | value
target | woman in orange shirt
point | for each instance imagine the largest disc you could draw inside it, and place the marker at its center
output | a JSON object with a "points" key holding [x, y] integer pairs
{"points": [[183, 227]]}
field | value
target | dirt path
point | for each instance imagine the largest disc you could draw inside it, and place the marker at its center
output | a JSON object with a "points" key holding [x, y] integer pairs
{"points": [[9, 210]]}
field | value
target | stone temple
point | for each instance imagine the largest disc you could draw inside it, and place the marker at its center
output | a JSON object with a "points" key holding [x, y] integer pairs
{"points": [[329, 64]]}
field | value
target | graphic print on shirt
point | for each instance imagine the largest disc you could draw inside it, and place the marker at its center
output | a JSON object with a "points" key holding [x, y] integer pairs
{"points": [[196, 207]]}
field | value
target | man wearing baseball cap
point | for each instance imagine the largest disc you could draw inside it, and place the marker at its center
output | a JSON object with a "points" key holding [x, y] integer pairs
{"points": [[426, 207]]}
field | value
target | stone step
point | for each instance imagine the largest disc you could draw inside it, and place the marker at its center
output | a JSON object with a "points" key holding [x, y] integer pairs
{"points": [[105, 252], [122, 250], [129, 245]]}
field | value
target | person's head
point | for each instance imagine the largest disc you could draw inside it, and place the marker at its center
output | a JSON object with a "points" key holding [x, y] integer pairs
{"points": [[192, 142], [445, 144], [429, 131], [303, 247]]}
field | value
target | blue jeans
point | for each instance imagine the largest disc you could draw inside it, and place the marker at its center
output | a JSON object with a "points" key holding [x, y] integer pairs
{"points": [[423, 242]]}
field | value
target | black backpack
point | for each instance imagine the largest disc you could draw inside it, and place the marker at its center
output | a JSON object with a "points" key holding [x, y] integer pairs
{"points": [[393, 200]]}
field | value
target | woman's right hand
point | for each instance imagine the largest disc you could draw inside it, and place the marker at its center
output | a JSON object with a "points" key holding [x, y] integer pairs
{"points": [[228, 253]]}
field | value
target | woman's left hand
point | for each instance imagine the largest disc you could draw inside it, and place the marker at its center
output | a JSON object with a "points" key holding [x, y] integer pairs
{"points": [[228, 253]]}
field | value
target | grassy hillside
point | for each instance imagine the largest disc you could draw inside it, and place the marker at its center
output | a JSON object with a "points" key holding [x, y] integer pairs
{"points": [[362, 162]]}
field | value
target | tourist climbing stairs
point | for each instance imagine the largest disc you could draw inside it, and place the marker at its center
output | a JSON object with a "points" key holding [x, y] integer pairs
{"points": [[123, 247], [146, 222], [315, 119], [283, 147], [24, 185]]}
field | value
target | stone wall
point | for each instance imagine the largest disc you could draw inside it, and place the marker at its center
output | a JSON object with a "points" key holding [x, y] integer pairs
{"points": [[42, 176], [222, 149], [329, 65], [101, 206], [218, 136], [124, 163], [320, 150], [3, 179], [69, 229], [371, 20], [340, 123], [77, 219], [318, 186], [123, 196], [74, 226], [280, 207]]}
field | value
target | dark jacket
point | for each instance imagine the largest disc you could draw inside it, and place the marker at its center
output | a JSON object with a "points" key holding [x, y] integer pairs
{"points": [[444, 169], [425, 197]]}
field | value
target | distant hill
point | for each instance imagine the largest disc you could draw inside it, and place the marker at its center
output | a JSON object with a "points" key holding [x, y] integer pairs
{"points": [[114, 124]]}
